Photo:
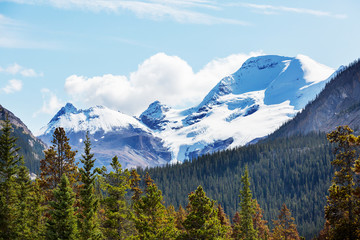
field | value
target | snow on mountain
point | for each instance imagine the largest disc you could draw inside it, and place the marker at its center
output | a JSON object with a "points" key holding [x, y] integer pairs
{"points": [[94, 119], [111, 133], [247, 105], [251, 103]]}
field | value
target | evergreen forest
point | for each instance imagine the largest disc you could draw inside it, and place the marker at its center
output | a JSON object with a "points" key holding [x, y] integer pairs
{"points": [[303, 186]]}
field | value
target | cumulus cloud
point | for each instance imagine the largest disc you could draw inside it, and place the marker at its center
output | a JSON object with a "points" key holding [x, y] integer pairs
{"points": [[168, 79], [15, 69], [12, 86], [51, 103]]}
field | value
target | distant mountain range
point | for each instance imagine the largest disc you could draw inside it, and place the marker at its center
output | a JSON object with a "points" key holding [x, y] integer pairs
{"points": [[247, 105]]}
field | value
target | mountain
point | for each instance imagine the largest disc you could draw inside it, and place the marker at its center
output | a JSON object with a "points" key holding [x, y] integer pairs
{"points": [[30, 147], [246, 106], [249, 104], [338, 104], [111, 133]]}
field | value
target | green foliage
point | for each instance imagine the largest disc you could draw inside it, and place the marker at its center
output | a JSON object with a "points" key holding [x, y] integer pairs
{"points": [[62, 222], [117, 223], [88, 221], [343, 203], [202, 222], [296, 171], [247, 210], [152, 220], [9, 161]]}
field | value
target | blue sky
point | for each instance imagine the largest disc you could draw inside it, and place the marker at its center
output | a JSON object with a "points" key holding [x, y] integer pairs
{"points": [[126, 54]]}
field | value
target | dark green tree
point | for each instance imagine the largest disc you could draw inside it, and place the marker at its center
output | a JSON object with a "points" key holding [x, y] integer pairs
{"points": [[88, 222], [342, 203], [202, 222], [117, 222], [247, 210], [9, 169], [23, 223], [62, 223]]}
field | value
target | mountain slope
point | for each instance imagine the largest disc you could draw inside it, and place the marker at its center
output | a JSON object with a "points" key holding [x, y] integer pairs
{"points": [[30, 147], [111, 132], [249, 104], [338, 104]]}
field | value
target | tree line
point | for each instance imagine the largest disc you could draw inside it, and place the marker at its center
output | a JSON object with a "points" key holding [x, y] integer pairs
{"points": [[71, 202]]}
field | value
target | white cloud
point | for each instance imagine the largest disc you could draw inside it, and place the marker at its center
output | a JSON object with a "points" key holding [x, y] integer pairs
{"points": [[270, 9], [51, 103], [168, 79], [17, 69], [180, 11], [13, 85]]}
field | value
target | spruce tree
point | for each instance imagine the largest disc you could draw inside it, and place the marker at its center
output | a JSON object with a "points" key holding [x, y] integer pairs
{"points": [[224, 220], [88, 222], [116, 223], [284, 226], [202, 221], [62, 223], [180, 218], [23, 223], [260, 225], [152, 220], [59, 159], [247, 210], [342, 209], [236, 225], [9, 169]]}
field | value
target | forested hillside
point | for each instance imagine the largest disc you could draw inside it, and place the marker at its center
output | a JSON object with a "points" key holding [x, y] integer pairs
{"points": [[295, 171], [30, 147]]}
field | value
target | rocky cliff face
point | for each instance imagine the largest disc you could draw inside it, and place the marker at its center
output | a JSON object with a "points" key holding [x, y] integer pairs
{"points": [[338, 104], [30, 147]]}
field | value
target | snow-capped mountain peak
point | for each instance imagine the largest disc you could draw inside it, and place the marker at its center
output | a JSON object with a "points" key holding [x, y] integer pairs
{"points": [[154, 115], [94, 119]]}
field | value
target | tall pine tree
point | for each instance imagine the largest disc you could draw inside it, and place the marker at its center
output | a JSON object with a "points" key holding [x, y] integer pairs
{"points": [[62, 222], [88, 222], [247, 210], [202, 222], [342, 209], [9, 169], [59, 159], [152, 220], [117, 223]]}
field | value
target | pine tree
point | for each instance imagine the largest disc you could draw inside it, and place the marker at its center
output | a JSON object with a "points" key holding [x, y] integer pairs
{"points": [[9, 169], [117, 223], [260, 225], [24, 203], [62, 222], [88, 222], [180, 218], [36, 211], [224, 221], [342, 209], [236, 225], [59, 160], [247, 210], [202, 221], [152, 220], [135, 185], [284, 227]]}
